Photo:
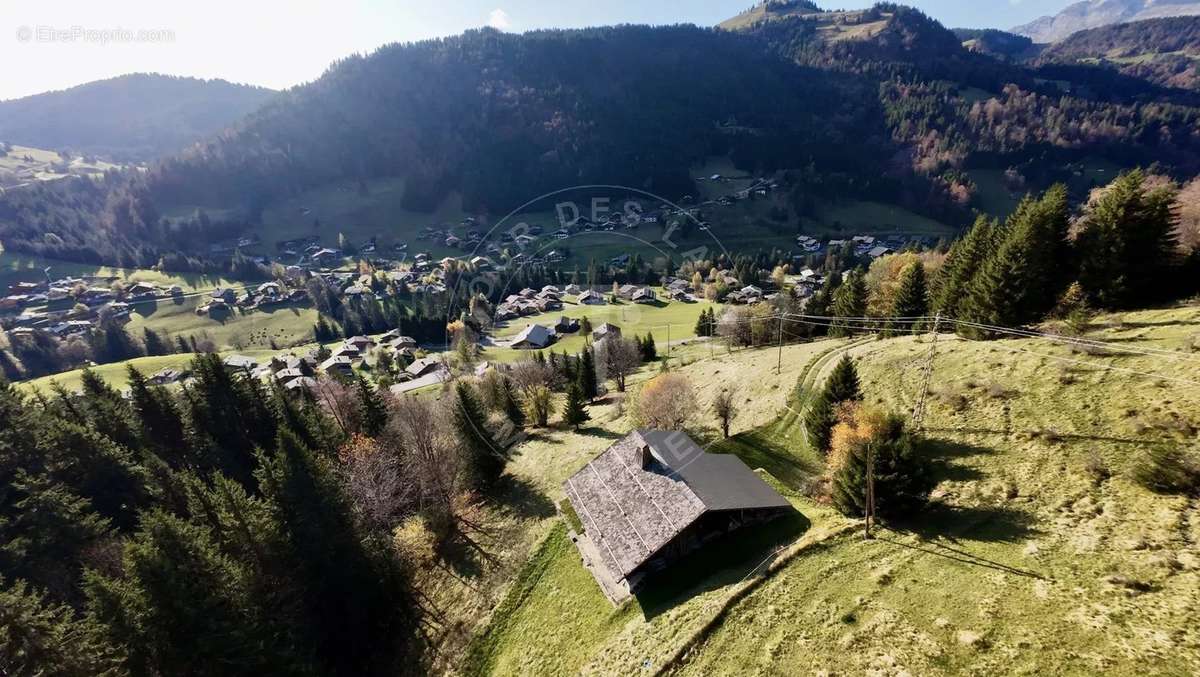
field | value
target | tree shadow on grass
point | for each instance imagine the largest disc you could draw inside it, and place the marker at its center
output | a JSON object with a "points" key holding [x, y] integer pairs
{"points": [[521, 498], [944, 454], [725, 561], [947, 531]]}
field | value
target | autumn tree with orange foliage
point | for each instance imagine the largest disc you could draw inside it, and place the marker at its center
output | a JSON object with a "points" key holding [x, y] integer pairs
{"points": [[862, 437]]}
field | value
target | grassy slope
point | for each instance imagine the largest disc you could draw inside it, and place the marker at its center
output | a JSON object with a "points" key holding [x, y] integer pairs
{"points": [[1017, 567], [287, 325], [16, 267], [632, 318]]}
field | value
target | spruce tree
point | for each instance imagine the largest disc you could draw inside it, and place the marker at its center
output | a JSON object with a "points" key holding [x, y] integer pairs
{"points": [[1127, 244], [587, 374], [40, 637], [484, 457], [1019, 282], [511, 404], [849, 301], [649, 350], [821, 417], [902, 477], [154, 343], [354, 602], [962, 263], [575, 413], [912, 293], [162, 425], [372, 408]]}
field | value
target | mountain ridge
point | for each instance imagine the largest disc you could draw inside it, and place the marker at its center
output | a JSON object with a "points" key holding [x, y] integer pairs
{"points": [[134, 117], [1096, 13]]}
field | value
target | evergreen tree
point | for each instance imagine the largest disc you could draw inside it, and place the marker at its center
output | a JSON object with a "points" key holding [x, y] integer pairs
{"points": [[1128, 244], [849, 301], [911, 294], [649, 350], [576, 413], [587, 374], [162, 425], [962, 263], [821, 417], [1019, 282], [182, 607], [484, 457], [39, 637], [154, 343], [372, 408], [355, 602], [511, 404], [902, 478]]}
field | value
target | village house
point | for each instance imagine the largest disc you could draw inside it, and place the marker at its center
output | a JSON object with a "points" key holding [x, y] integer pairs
{"points": [[337, 364], [566, 325], [572, 290], [644, 295], [654, 496], [167, 376], [424, 367], [239, 363], [591, 298], [533, 337], [606, 330]]}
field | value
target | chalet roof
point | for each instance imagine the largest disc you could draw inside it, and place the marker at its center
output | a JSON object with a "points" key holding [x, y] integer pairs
{"points": [[645, 489], [534, 335]]}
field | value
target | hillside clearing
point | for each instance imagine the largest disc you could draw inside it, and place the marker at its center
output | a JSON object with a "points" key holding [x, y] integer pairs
{"points": [[1024, 559]]}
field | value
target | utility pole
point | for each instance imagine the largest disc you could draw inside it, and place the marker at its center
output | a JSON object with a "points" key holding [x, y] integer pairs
{"points": [[869, 507], [927, 375]]}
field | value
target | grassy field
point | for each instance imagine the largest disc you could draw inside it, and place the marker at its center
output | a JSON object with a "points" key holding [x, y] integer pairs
{"points": [[253, 329], [46, 165], [1028, 558], [675, 319], [117, 374], [16, 267]]}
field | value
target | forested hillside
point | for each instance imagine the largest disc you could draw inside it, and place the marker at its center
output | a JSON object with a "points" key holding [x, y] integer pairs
{"points": [[136, 117], [882, 104], [1163, 51]]}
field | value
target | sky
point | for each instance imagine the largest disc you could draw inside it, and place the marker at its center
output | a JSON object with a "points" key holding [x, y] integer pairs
{"points": [[54, 44]]}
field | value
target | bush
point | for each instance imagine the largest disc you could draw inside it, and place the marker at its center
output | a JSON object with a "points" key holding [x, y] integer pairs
{"points": [[1169, 470], [666, 402]]}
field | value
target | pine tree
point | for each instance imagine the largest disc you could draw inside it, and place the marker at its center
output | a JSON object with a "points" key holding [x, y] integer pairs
{"points": [[587, 374], [39, 637], [372, 409], [649, 350], [911, 294], [1128, 244], [154, 343], [902, 478], [484, 457], [962, 263], [849, 301], [842, 386], [575, 413]]}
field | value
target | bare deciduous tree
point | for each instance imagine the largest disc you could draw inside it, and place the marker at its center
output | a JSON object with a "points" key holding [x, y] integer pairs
{"points": [[724, 407], [620, 357]]}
